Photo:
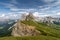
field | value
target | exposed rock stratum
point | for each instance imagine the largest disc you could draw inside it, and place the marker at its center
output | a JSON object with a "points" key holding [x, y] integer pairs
{"points": [[20, 29]]}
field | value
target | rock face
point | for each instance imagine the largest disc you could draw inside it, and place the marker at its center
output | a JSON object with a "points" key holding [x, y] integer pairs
{"points": [[20, 29]]}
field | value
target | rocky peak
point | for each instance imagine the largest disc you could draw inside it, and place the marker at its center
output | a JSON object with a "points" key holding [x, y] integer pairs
{"points": [[20, 29]]}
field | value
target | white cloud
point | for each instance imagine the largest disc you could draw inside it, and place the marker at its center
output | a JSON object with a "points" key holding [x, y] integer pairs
{"points": [[9, 16], [36, 14], [2, 15], [46, 15], [48, 1], [27, 10], [58, 13], [14, 15], [8, 5], [12, 7], [39, 14], [14, 1], [50, 4]]}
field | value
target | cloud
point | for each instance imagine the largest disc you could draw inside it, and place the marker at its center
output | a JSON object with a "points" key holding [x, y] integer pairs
{"points": [[14, 2], [2, 15], [48, 9], [9, 16], [8, 5], [50, 4], [26, 10], [58, 13], [48, 1], [37, 14]]}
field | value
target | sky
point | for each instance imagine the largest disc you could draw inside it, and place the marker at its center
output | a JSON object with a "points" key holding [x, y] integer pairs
{"points": [[40, 8]]}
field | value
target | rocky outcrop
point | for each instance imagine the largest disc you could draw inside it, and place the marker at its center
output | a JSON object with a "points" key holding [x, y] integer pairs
{"points": [[20, 29]]}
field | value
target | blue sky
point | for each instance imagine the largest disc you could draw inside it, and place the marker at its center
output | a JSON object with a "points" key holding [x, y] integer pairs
{"points": [[40, 8]]}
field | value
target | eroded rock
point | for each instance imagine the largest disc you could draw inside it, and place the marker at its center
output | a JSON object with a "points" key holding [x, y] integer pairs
{"points": [[20, 29]]}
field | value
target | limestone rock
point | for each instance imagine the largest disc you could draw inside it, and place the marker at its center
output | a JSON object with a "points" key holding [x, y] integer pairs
{"points": [[20, 29]]}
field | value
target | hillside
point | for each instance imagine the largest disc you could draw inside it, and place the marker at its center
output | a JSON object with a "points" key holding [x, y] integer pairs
{"points": [[47, 33], [29, 29], [43, 28]]}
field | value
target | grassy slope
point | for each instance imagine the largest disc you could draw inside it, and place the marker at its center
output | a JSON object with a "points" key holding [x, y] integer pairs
{"points": [[44, 28], [55, 26], [41, 37]]}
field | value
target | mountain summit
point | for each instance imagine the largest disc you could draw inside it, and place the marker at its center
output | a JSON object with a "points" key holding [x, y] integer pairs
{"points": [[21, 29]]}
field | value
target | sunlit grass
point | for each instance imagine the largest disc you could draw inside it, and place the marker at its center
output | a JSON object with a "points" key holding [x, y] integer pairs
{"points": [[41, 37]]}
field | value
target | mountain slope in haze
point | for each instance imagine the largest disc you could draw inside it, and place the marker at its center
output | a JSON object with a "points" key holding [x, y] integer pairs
{"points": [[4, 27]]}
